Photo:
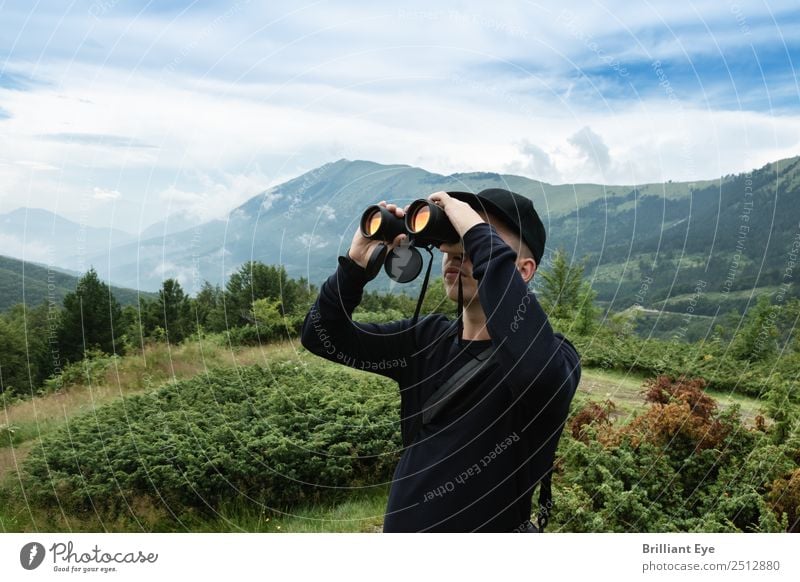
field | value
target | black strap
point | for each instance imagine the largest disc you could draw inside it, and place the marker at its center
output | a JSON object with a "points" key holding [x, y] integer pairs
{"points": [[444, 394], [545, 500], [419, 302]]}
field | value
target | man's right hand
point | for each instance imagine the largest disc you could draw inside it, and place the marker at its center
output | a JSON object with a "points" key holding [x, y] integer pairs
{"points": [[361, 248]]}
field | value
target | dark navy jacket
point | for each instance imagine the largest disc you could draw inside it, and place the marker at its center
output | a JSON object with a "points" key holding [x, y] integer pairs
{"points": [[475, 466]]}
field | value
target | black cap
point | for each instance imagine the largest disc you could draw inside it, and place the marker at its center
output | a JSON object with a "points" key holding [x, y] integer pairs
{"points": [[515, 210]]}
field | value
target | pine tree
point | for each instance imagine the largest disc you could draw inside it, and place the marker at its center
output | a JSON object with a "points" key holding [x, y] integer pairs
{"points": [[88, 319], [559, 293], [586, 316], [174, 311]]}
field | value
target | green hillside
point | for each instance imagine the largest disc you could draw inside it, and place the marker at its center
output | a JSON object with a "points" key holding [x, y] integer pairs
{"points": [[33, 284], [720, 247]]}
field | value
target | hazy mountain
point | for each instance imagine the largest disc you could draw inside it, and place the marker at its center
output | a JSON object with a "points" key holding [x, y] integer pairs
{"points": [[175, 222], [33, 284], [306, 222], [34, 234]]}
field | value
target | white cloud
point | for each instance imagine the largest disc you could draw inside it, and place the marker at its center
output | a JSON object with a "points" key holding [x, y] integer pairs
{"points": [[227, 113], [270, 197], [38, 166], [312, 241], [103, 194], [29, 250], [537, 163], [215, 197], [327, 213], [592, 148]]}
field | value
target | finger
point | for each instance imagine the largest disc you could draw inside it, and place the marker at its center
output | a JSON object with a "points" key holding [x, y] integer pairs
{"points": [[438, 198], [398, 240]]}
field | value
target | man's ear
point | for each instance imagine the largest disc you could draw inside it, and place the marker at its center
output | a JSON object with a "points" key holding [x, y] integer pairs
{"points": [[527, 268]]}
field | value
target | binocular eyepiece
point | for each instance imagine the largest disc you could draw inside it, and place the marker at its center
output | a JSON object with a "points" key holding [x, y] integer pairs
{"points": [[425, 224]]}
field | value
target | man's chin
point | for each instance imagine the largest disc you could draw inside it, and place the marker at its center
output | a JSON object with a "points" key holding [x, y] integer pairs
{"points": [[451, 290]]}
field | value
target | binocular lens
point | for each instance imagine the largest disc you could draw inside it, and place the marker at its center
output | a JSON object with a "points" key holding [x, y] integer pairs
{"points": [[420, 218], [377, 223], [429, 224], [373, 222]]}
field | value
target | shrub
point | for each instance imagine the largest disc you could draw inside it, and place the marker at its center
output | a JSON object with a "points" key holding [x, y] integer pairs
{"points": [[592, 413], [784, 497], [262, 333], [279, 435], [87, 372], [681, 465]]}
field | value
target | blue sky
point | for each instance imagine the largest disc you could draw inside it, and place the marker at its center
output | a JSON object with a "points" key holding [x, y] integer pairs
{"points": [[116, 112]]}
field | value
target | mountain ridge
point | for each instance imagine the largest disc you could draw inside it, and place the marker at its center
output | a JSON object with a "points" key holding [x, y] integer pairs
{"points": [[306, 222]]}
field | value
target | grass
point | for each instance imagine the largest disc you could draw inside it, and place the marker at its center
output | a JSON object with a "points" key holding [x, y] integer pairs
{"points": [[361, 511]]}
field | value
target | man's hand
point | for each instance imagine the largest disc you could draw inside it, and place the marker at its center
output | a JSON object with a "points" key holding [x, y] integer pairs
{"points": [[361, 248], [461, 215]]}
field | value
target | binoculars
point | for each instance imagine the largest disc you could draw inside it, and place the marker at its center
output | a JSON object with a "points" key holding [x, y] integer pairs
{"points": [[425, 224]]}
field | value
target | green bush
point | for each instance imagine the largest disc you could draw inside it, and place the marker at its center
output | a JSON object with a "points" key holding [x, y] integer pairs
{"points": [[262, 333], [384, 316], [280, 435], [87, 372]]}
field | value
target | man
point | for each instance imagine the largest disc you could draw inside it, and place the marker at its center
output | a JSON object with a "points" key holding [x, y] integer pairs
{"points": [[471, 461]]}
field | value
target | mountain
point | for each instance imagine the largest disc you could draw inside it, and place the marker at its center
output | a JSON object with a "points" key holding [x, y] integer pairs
{"points": [[34, 234], [711, 251], [652, 244], [306, 222], [33, 284], [175, 222]]}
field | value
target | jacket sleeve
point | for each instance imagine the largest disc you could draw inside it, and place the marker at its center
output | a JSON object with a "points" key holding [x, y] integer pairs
{"points": [[539, 363], [330, 332]]}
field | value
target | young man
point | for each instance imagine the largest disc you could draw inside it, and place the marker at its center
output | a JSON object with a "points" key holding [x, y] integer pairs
{"points": [[470, 461]]}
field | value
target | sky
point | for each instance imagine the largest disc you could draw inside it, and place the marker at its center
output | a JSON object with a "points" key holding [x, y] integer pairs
{"points": [[118, 113]]}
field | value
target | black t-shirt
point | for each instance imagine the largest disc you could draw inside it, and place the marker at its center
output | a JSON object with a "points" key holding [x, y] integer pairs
{"points": [[475, 466]]}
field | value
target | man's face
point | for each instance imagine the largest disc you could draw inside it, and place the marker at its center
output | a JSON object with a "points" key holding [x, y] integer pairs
{"points": [[455, 261]]}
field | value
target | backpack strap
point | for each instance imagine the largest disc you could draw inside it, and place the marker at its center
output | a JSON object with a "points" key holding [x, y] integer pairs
{"points": [[437, 401], [545, 500]]}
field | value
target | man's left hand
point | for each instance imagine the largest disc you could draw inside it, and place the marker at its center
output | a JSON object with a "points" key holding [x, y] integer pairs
{"points": [[461, 215]]}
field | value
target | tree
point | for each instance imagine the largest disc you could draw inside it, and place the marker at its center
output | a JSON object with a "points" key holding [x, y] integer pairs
{"points": [[436, 300], [756, 339], [13, 369], [174, 311], [267, 316], [209, 309], [254, 280], [35, 329], [88, 319], [780, 407], [561, 288], [586, 316]]}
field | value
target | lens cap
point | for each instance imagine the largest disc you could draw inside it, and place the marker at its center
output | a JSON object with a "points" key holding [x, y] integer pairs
{"points": [[403, 264], [376, 260]]}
